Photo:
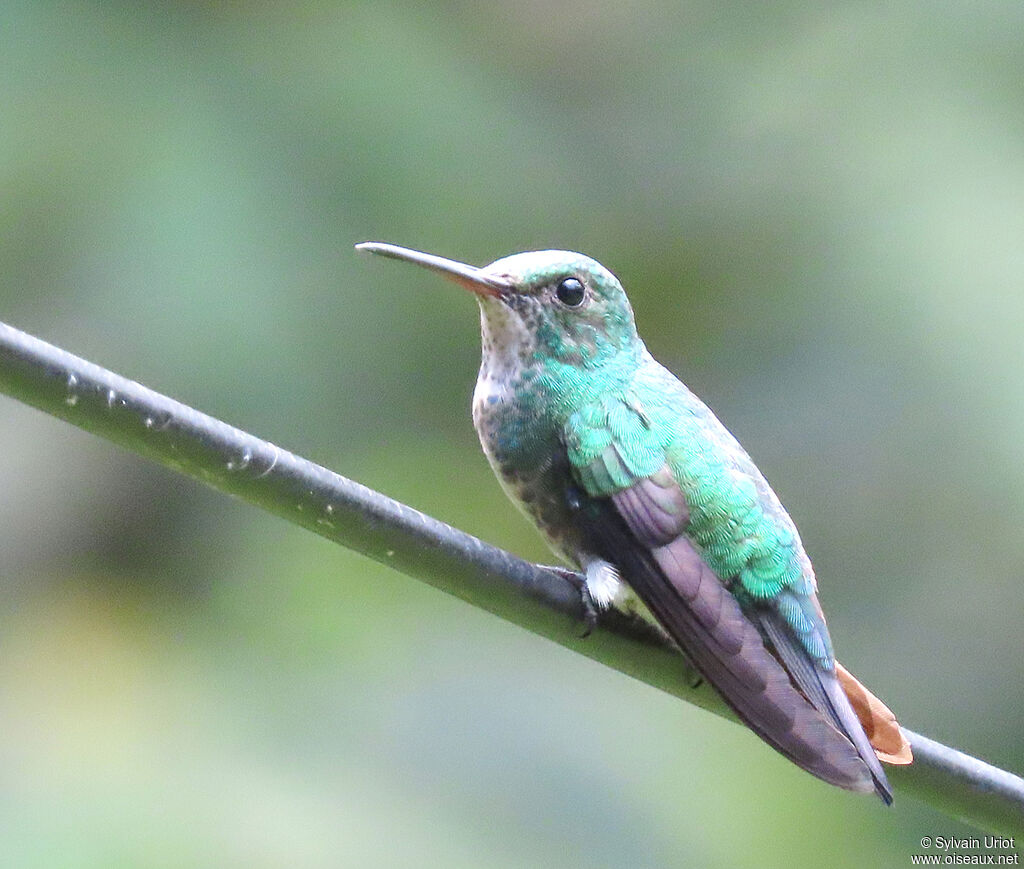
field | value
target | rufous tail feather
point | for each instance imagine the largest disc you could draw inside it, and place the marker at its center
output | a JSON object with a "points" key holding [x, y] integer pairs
{"points": [[880, 725]]}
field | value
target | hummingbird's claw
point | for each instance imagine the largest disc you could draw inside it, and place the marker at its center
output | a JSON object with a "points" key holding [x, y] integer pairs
{"points": [[590, 611]]}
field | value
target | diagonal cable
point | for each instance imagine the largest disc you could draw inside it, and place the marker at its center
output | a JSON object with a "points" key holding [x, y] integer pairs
{"points": [[536, 598]]}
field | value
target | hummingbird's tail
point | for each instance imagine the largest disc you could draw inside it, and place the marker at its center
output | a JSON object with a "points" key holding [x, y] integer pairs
{"points": [[880, 725], [823, 691], [851, 726]]}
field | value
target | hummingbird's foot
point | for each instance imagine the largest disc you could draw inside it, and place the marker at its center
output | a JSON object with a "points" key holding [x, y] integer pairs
{"points": [[590, 611]]}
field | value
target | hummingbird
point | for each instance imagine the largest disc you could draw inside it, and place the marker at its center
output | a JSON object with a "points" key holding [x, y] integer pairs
{"points": [[633, 480]]}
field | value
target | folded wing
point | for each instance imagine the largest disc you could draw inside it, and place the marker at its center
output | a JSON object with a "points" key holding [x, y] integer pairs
{"points": [[638, 523]]}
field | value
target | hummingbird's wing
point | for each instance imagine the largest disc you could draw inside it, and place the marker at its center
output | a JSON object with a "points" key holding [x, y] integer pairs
{"points": [[637, 520]]}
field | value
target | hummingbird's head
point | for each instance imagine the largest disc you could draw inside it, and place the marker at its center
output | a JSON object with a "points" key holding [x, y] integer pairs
{"points": [[571, 307], [547, 304]]}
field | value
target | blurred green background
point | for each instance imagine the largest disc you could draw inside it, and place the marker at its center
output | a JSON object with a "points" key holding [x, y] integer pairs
{"points": [[817, 210]]}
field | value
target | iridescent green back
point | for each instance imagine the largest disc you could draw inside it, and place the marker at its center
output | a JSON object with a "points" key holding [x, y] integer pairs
{"points": [[744, 533]]}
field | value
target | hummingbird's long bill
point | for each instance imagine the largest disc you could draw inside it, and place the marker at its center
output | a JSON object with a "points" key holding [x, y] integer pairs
{"points": [[466, 276]]}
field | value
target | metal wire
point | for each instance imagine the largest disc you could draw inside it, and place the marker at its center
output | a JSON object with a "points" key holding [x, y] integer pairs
{"points": [[541, 600]]}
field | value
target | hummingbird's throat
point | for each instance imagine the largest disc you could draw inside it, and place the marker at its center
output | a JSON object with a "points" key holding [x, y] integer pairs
{"points": [[507, 341]]}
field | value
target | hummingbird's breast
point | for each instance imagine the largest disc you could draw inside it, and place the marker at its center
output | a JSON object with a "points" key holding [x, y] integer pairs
{"points": [[517, 421], [523, 445]]}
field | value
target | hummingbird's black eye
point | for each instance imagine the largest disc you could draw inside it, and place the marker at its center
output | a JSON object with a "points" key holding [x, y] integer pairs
{"points": [[571, 292]]}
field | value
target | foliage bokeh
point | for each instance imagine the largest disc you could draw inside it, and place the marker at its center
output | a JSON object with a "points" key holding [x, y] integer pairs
{"points": [[816, 210]]}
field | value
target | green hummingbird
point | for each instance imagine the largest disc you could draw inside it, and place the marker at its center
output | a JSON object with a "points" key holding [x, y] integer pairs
{"points": [[633, 479]]}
